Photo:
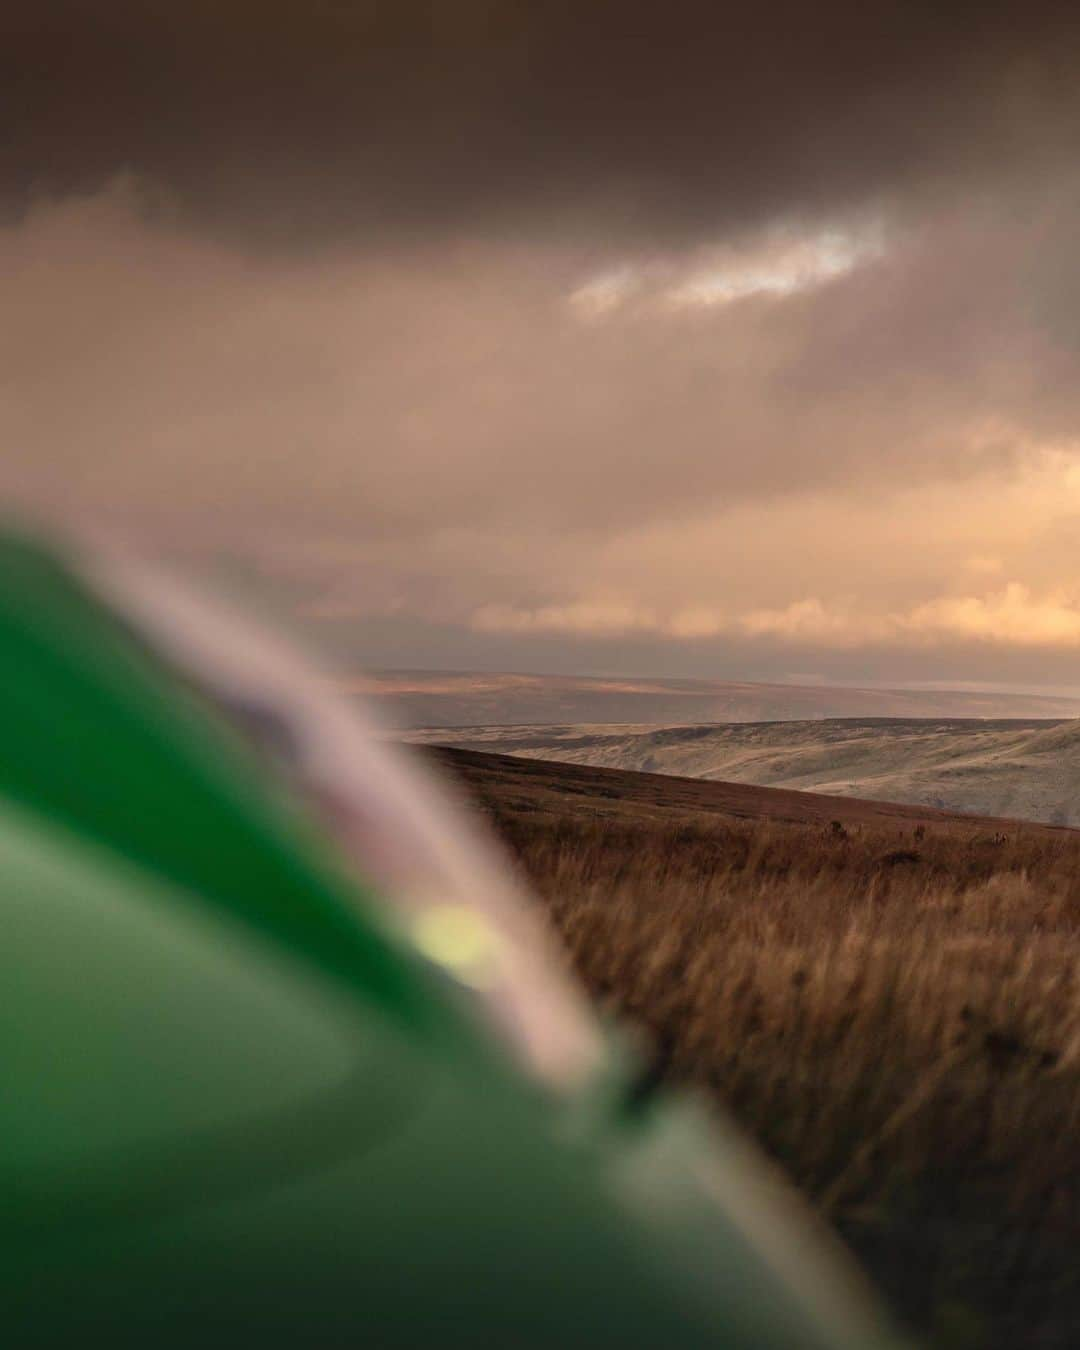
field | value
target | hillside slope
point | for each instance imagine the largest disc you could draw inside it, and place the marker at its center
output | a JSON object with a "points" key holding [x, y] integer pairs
{"points": [[512, 787], [1024, 769]]}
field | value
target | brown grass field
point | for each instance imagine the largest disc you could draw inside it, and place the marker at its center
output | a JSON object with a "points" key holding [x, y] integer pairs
{"points": [[887, 998]]}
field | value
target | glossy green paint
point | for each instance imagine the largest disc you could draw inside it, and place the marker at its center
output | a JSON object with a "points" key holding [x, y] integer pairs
{"points": [[237, 1110], [95, 734]]}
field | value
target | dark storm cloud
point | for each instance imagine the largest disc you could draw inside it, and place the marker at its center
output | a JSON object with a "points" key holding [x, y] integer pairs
{"points": [[464, 387], [321, 118], [563, 328]]}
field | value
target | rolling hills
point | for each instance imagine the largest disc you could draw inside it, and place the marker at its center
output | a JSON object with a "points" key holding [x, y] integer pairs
{"points": [[535, 791], [424, 698], [1029, 769]]}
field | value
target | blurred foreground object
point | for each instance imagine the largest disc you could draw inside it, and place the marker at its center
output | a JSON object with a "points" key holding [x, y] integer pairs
{"points": [[288, 1060]]}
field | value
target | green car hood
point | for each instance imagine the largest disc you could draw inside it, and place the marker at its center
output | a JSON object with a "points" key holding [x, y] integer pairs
{"points": [[241, 1108]]}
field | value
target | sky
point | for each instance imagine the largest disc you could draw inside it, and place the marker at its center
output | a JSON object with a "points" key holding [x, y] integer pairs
{"points": [[583, 337]]}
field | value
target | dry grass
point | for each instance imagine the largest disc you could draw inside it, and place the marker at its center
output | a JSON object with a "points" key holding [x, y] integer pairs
{"points": [[892, 1009]]}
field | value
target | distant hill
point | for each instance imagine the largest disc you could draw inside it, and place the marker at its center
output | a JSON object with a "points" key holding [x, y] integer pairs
{"points": [[1028, 769], [550, 792], [462, 699]]}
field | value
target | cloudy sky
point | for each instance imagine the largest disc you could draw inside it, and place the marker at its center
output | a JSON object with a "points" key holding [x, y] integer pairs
{"points": [[583, 336]]}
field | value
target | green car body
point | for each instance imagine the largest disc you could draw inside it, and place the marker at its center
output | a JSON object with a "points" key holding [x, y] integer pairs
{"points": [[245, 1104]]}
